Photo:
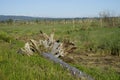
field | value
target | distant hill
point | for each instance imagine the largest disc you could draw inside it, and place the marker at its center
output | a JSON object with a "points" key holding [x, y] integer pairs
{"points": [[29, 18], [4, 17], [26, 18]]}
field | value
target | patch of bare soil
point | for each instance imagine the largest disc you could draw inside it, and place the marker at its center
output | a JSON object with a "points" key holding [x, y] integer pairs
{"points": [[92, 60]]}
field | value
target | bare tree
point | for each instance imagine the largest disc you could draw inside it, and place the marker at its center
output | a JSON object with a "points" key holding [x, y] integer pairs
{"points": [[108, 19]]}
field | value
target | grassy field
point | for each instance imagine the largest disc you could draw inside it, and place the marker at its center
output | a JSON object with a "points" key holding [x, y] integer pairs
{"points": [[100, 41]]}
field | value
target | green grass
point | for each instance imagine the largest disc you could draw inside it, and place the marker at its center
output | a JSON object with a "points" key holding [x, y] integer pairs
{"points": [[99, 74], [14, 66]]}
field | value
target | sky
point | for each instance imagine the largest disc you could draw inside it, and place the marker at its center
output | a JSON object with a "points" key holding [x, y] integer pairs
{"points": [[59, 8]]}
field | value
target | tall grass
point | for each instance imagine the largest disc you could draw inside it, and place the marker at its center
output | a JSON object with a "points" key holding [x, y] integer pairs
{"points": [[14, 66]]}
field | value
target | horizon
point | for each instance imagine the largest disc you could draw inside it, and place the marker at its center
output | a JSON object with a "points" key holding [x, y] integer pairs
{"points": [[46, 17], [59, 9]]}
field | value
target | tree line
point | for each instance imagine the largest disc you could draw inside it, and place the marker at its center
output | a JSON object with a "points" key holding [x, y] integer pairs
{"points": [[105, 19]]}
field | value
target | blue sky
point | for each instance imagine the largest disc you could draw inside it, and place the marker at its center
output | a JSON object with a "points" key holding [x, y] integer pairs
{"points": [[58, 8]]}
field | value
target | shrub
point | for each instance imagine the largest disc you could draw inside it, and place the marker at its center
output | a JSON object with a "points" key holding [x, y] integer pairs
{"points": [[115, 47], [111, 45], [5, 37]]}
